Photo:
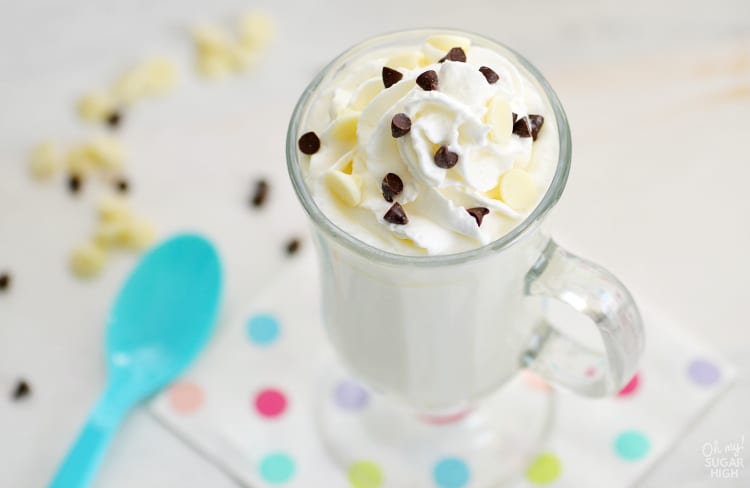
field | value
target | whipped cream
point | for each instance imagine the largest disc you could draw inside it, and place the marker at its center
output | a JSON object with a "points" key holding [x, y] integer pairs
{"points": [[467, 175]]}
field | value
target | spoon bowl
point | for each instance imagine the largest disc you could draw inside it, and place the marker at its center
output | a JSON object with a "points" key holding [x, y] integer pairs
{"points": [[162, 318]]}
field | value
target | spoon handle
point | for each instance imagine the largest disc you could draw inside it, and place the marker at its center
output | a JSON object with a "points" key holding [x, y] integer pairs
{"points": [[83, 459]]}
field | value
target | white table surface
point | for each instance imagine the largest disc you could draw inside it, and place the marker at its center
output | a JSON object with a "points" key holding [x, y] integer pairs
{"points": [[658, 95]]}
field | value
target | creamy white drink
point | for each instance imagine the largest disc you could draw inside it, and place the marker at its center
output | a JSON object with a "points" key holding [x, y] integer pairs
{"points": [[425, 147], [428, 149]]}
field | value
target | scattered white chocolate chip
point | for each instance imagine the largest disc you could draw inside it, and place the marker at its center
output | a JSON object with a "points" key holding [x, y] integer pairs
{"points": [[211, 40], [45, 160], [132, 85], [110, 233], [445, 42], [256, 30], [214, 67], [518, 189], [87, 260], [138, 235], [79, 161], [106, 152], [161, 75], [500, 119], [96, 106], [113, 209], [345, 127], [348, 188]]}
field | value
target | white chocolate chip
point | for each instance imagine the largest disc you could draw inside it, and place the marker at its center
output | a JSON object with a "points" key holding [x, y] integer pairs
{"points": [[445, 42], [500, 119], [138, 235], [518, 189], [211, 40], [87, 260], [348, 188], [214, 66], [114, 209], [79, 161], [161, 75], [407, 60], [44, 161], [256, 30], [345, 127], [132, 85], [96, 106], [110, 233], [106, 152]]}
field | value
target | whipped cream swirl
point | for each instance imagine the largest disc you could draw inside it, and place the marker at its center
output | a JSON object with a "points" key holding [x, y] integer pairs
{"points": [[469, 115]]}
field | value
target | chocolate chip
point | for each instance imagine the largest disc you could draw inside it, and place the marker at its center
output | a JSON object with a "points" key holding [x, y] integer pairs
{"points": [[309, 143], [396, 215], [292, 246], [21, 391], [428, 80], [4, 281], [478, 213], [537, 121], [455, 54], [74, 183], [391, 76], [515, 117], [391, 186], [522, 128], [488, 73], [400, 125], [122, 185], [445, 159], [260, 194], [113, 120]]}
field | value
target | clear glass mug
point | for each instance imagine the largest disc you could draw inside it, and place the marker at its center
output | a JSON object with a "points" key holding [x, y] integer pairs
{"points": [[439, 333]]}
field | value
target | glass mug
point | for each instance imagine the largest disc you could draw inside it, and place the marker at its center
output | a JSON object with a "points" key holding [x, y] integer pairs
{"points": [[434, 335]]}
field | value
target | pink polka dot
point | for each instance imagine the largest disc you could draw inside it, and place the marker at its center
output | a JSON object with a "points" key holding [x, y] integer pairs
{"points": [[534, 381], [270, 402], [631, 387], [185, 397]]}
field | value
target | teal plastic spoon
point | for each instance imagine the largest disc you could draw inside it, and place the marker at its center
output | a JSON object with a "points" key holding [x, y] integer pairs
{"points": [[164, 315]]}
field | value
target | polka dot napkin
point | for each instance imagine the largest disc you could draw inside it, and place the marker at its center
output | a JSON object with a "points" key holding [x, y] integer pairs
{"points": [[247, 404]]}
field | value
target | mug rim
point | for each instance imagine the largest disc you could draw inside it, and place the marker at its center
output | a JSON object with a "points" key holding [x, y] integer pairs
{"points": [[321, 220]]}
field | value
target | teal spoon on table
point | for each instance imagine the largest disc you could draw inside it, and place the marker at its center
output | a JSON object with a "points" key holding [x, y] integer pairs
{"points": [[164, 315]]}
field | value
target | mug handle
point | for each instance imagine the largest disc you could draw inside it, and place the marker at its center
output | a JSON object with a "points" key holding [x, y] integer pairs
{"points": [[598, 294]]}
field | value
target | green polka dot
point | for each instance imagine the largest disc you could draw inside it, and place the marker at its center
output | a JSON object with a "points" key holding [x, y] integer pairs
{"points": [[632, 445], [545, 469], [277, 468], [365, 474]]}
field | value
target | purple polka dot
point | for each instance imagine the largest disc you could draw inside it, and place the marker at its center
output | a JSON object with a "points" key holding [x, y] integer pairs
{"points": [[703, 372], [349, 395]]}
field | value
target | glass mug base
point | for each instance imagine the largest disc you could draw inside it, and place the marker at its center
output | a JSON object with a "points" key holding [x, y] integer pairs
{"points": [[375, 442]]}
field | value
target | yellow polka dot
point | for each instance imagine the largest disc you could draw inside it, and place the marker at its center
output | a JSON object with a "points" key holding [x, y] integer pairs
{"points": [[545, 469], [365, 474]]}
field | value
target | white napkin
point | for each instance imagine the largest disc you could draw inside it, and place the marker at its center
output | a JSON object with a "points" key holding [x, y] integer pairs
{"points": [[247, 404]]}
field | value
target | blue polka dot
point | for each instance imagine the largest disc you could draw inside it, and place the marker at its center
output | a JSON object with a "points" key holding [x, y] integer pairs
{"points": [[451, 473], [277, 468], [632, 445], [263, 329]]}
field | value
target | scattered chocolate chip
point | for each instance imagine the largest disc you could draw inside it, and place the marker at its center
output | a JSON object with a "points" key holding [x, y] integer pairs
{"points": [[455, 54], [478, 213], [309, 143], [515, 117], [445, 159], [292, 246], [488, 73], [113, 120], [396, 215], [260, 194], [391, 76], [21, 391], [400, 125], [428, 80], [74, 183], [391, 186], [122, 185], [522, 128], [4, 281], [536, 124]]}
